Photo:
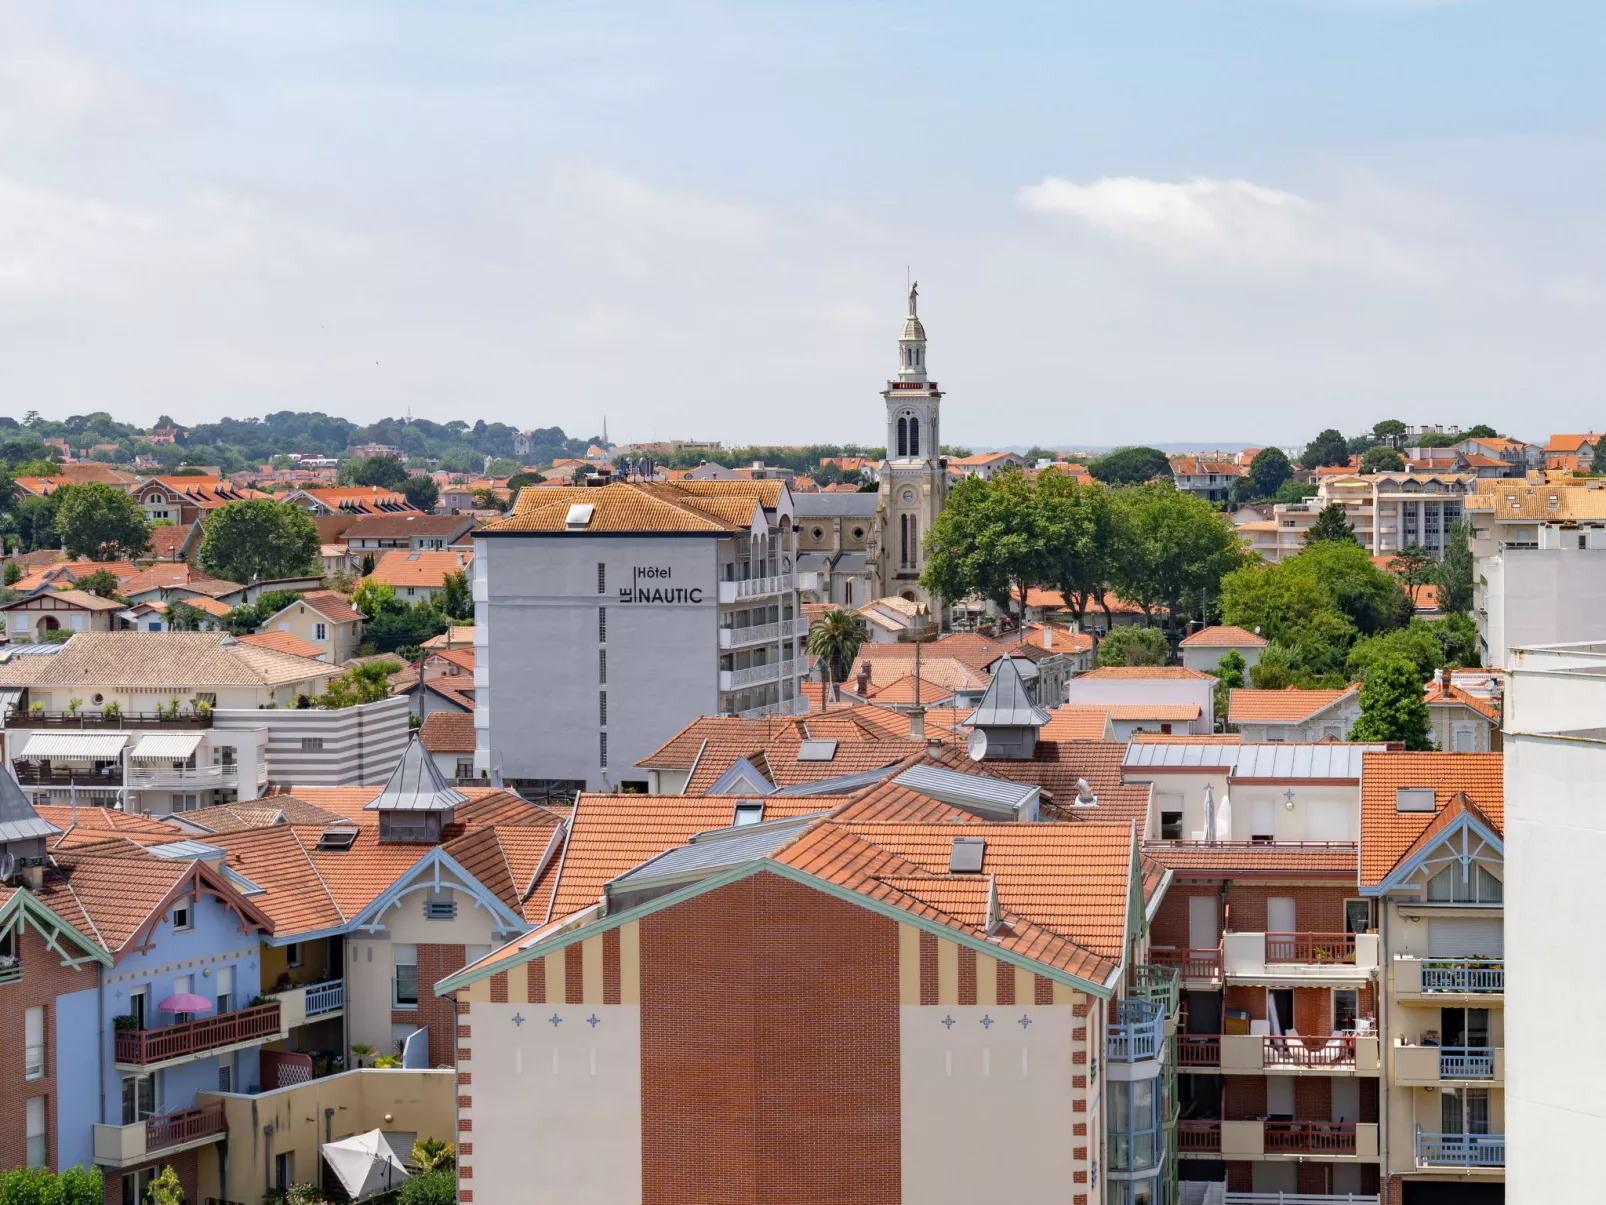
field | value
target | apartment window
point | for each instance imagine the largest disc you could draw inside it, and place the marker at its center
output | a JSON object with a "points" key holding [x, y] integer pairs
{"points": [[602, 578], [185, 803], [183, 916], [405, 960], [38, 1153], [1134, 1123], [602, 625], [602, 666], [312, 744], [1464, 1111], [225, 1078], [225, 990], [284, 1169], [320, 631], [1170, 826], [1357, 916], [139, 1098], [1346, 1007], [292, 954], [1457, 884], [136, 1005], [465, 767], [411, 590], [136, 1185], [33, 1043], [604, 748], [602, 707]]}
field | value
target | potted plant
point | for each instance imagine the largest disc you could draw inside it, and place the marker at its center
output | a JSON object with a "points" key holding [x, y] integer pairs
{"points": [[201, 708], [388, 1062], [125, 1021], [111, 710], [36, 709], [361, 1051], [73, 704]]}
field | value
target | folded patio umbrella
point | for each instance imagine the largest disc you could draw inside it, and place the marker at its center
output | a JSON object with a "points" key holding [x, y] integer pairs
{"points": [[186, 1002], [368, 1164]]}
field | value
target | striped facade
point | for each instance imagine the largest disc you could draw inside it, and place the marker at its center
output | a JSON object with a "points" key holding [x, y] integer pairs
{"points": [[352, 746]]}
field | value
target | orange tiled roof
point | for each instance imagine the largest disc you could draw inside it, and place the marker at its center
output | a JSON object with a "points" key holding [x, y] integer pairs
{"points": [[167, 541], [902, 690], [1146, 671], [1056, 765], [168, 575], [1296, 861], [402, 568], [1291, 706], [448, 732], [1189, 738], [1075, 722], [334, 607], [1154, 711], [1388, 835], [1226, 635], [283, 642], [1570, 443], [1487, 708], [714, 507]]}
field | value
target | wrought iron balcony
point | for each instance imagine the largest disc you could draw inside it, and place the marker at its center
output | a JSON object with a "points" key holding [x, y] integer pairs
{"points": [[1138, 1031], [1460, 1150], [188, 1039]]}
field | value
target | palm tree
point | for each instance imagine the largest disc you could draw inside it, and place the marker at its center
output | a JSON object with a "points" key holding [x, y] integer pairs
{"points": [[835, 639], [431, 1153]]}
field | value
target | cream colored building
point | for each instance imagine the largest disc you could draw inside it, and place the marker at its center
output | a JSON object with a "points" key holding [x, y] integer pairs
{"points": [[1388, 511], [323, 618]]}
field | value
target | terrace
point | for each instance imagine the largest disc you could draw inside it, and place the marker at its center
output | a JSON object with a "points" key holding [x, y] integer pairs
{"points": [[1137, 1032], [131, 1145], [1430, 1066], [141, 1049], [1441, 977], [1461, 1150]]}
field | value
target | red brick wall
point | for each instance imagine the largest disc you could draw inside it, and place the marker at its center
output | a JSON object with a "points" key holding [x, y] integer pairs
{"points": [[1314, 1178], [185, 1163], [1244, 1099], [1170, 927], [1369, 1093], [1316, 909], [43, 979], [769, 1017], [1313, 1101], [435, 962], [1250, 999], [1313, 1011], [1240, 1176]]}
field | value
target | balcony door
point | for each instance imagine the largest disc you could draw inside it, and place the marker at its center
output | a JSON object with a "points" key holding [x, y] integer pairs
{"points": [[1464, 1111], [139, 1098], [1464, 1027], [1203, 933], [1280, 915]]}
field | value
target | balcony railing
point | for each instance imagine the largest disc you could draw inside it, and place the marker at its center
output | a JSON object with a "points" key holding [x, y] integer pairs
{"points": [[1198, 1136], [761, 633], [1462, 975], [1198, 1050], [326, 997], [96, 721], [1461, 1150], [123, 1146], [1293, 1051], [187, 1125], [1299, 1198], [1310, 947], [1159, 983], [753, 587], [12, 971], [1309, 1137], [32, 776], [1137, 1033], [1193, 964], [754, 675], [1466, 1062], [166, 775], [142, 1047]]}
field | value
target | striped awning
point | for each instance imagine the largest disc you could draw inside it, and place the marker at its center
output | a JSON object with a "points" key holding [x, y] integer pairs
{"points": [[86, 745], [175, 745]]}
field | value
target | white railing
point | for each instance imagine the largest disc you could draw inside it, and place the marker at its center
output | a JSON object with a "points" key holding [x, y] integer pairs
{"points": [[1300, 1198], [754, 675], [761, 633], [166, 776], [794, 627], [797, 706], [752, 587], [326, 997]]}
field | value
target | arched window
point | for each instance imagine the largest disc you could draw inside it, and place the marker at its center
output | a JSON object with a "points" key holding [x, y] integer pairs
{"points": [[914, 541], [847, 593], [903, 540], [903, 436], [914, 437]]}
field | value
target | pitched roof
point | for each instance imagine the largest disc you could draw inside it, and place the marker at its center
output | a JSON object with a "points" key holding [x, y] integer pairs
{"points": [[785, 764], [1145, 671], [168, 575], [76, 598], [1055, 766], [416, 785], [447, 732], [334, 607], [1489, 709], [401, 567], [1521, 502], [1291, 706], [168, 541], [19, 819], [688, 506], [1387, 834], [283, 642], [1296, 860], [1226, 635], [1076, 722], [406, 524], [161, 659], [1006, 703], [1172, 712]]}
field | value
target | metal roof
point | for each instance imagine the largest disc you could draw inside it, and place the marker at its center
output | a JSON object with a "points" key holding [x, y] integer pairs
{"points": [[834, 506], [967, 790], [74, 744], [188, 851], [29, 650], [1271, 760], [1006, 703], [842, 785], [167, 744], [710, 852], [416, 785], [18, 820], [1163, 755]]}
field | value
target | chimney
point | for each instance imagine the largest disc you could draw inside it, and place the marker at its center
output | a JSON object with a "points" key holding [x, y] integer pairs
{"points": [[933, 747], [917, 724], [1048, 635], [33, 875], [864, 678]]}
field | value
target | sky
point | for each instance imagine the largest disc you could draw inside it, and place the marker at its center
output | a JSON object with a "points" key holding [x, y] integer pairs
{"points": [[1234, 221]]}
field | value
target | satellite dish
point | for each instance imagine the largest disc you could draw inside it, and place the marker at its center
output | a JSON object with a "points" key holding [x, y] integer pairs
{"points": [[976, 746], [8, 865]]}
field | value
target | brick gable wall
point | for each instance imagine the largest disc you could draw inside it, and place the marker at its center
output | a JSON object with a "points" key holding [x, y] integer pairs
{"points": [[43, 979]]}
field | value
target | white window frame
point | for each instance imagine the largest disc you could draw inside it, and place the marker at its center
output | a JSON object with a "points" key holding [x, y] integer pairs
{"points": [[37, 1125], [33, 1043]]}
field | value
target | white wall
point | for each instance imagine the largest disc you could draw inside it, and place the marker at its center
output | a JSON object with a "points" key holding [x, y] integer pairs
{"points": [[1541, 596], [1206, 658], [1198, 691]]}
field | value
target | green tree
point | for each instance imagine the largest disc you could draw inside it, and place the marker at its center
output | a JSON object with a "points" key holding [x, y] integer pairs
{"points": [[1370, 598], [456, 599], [1081, 528], [166, 1189], [259, 540], [1389, 431], [1453, 573], [1176, 547], [1134, 646], [367, 564], [1480, 431], [1267, 472], [1230, 672], [1458, 637], [1382, 460], [1294, 491], [502, 466], [1412, 564], [1130, 466], [102, 582], [101, 522], [1330, 524], [835, 638], [13, 572], [387, 472], [429, 1188], [987, 541], [486, 498], [186, 617], [367, 682], [40, 1186], [430, 1154], [421, 493], [1416, 642], [1328, 448], [519, 480], [374, 599], [398, 625], [1391, 705]]}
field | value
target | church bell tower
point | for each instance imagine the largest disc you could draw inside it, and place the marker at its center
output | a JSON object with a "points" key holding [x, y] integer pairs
{"points": [[914, 476]]}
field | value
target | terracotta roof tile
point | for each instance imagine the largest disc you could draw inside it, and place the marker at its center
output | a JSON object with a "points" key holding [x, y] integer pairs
{"points": [[1058, 764], [1145, 671], [448, 732], [1247, 859], [1174, 712], [1386, 833], [1489, 709], [1291, 706], [401, 568], [1225, 635], [283, 642], [1077, 722]]}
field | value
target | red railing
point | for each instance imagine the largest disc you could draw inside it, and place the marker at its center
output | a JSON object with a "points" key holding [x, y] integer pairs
{"points": [[1310, 947], [1309, 1137], [1198, 1050], [174, 1129], [1198, 1135], [143, 1046], [1294, 1051], [1194, 964]]}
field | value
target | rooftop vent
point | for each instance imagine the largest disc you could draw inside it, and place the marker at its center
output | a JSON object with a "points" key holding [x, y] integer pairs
{"points": [[748, 813], [1084, 794], [1413, 799], [965, 855], [335, 839], [817, 751], [579, 514]]}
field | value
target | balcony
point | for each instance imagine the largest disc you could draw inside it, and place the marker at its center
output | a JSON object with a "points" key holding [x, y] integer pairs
{"points": [[33, 776], [1461, 1150], [165, 774], [1298, 1140], [757, 675], [1270, 1198], [1194, 1137], [1158, 983], [1299, 959], [311, 1002], [1337, 1054], [1195, 966], [1429, 1066], [1138, 1031], [94, 721], [755, 587], [138, 1049], [131, 1145], [762, 633], [1198, 1050], [1441, 977], [797, 706]]}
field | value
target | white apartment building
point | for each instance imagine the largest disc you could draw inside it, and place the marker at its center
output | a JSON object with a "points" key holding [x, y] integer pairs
{"points": [[1389, 511], [675, 600], [1541, 566], [1555, 762]]}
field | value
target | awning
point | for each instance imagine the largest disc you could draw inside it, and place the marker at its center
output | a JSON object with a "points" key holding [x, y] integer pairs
{"points": [[370, 1164], [175, 745], [87, 745], [8, 698]]}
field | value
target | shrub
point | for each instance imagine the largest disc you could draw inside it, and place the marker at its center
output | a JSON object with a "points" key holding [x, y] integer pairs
{"points": [[429, 1188]]}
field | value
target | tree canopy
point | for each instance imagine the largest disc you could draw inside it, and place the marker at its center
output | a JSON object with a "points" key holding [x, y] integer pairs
{"points": [[1268, 470], [259, 540], [1382, 460], [1389, 431], [1331, 524], [835, 638], [1391, 705], [421, 492], [1130, 466], [1328, 448], [101, 522], [1134, 646]]}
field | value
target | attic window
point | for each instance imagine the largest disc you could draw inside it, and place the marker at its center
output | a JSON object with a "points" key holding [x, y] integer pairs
{"points": [[748, 813], [817, 751], [413, 556], [439, 905], [579, 514], [1413, 799], [335, 839], [1555, 502], [965, 855]]}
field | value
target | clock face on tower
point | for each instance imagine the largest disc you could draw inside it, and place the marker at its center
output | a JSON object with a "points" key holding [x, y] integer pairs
{"points": [[908, 495]]}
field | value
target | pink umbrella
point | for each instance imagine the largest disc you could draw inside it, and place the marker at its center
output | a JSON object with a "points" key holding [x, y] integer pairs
{"points": [[186, 1002]]}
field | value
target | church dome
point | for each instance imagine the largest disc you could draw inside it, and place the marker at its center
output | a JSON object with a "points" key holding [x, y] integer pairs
{"points": [[912, 331]]}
